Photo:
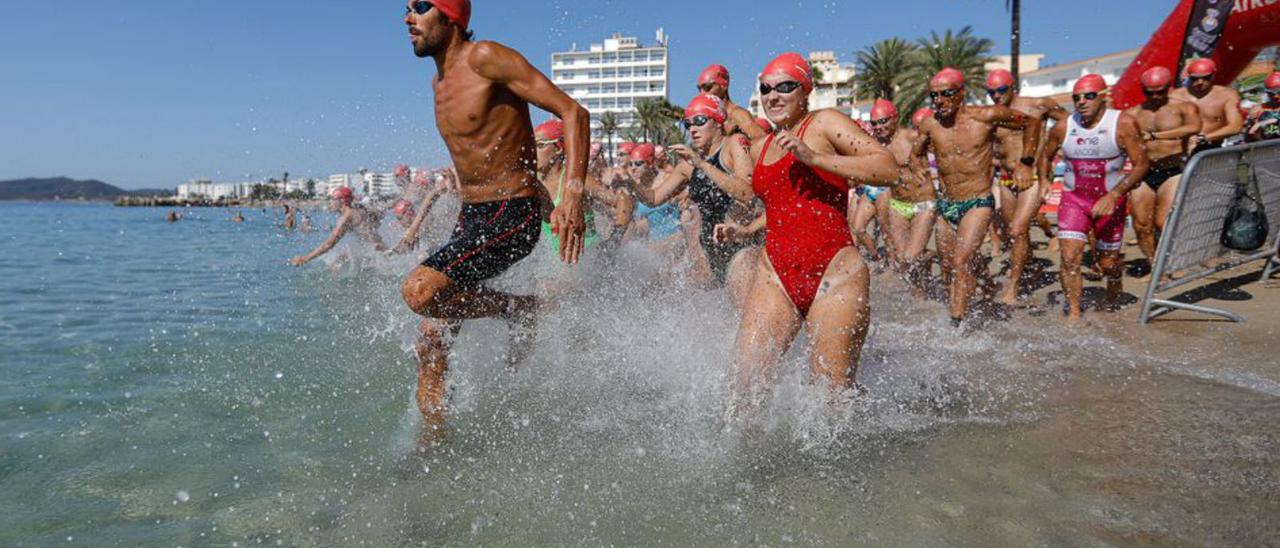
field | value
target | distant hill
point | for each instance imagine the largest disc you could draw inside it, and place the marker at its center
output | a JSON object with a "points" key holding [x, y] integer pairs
{"points": [[62, 188]]}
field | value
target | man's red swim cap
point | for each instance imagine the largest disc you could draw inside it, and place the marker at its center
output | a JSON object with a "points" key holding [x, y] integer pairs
{"points": [[420, 178], [999, 78], [715, 74], [626, 147], [551, 130], [1203, 66], [950, 77], [706, 105], [402, 208], [1089, 84], [918, 117], [644, 151], [402, 170], [1156, 77], [793, 65], [458, 11], [765, 125], [883, 109], [1273, 82], [343, 194]]}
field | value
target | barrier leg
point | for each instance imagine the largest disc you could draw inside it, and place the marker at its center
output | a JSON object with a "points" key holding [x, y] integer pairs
{"points": [[1166, 307]]}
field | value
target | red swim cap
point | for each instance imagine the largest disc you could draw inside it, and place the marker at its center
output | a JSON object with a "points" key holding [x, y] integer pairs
{"points": [[715, 74], [1156, 77], [402, 170], [420, 178], [765, 125], [950, 77], [999, 78], [342, 194], [626, 147], [918, 117], [458, 11], [551, 130], [403, 208], [793, 65], [1273, 82], [1090, 83], [883, 109], [706, 105], [645, 152], [1203, 66]]}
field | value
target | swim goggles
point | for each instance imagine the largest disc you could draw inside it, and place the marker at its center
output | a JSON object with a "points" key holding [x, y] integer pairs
{"points": [[782, 87], [948, 93], [697, 121], [997, 91], [421, 7], [1086, 96]]}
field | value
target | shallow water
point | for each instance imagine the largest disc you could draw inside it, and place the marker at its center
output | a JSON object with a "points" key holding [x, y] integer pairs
{"points": [[180, 385]]}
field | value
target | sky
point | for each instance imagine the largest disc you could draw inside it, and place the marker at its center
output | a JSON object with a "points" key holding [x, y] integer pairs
{"points": [[149, 94]]}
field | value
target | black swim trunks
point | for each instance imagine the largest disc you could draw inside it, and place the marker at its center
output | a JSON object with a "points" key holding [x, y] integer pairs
{"points": [[489, 239], [1157, 176]]}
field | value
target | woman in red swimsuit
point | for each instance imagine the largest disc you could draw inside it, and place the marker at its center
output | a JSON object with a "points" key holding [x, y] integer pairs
{"points": [[811, 274]]}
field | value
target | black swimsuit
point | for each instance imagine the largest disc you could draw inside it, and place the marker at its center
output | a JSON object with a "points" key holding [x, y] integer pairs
{"points": [[714, 204], [489, 239]]}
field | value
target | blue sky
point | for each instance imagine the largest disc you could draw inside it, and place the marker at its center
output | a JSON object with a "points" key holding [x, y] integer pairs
{"points": [[149, 94]]}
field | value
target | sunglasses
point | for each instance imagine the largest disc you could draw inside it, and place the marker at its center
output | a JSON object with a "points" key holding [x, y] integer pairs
{"points": [[639, 163], [998, 91], [1194, 78], [706, 87], [881, 122], [547, 143], [697, 121], [420, 8], [1077, 97], [783, 88], [948, 93], [1160, 91]]}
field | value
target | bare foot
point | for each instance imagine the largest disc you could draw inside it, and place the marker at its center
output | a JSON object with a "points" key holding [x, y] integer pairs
{"points": [[1075, 320], [524, 330]]}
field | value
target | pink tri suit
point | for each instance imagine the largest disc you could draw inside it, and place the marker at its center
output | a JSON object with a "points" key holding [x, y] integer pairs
{"points": [[1094, 167]]}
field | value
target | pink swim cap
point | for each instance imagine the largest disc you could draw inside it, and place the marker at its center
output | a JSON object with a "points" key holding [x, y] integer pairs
{"points": [[343, 194], [403, 208], [458, 11], [420, 178], [1156, 77], [551, 130], [626, 147], [645, 152], [1090, 83], [918, 117], [1202, 67], [1273, 82], [402, 170], [950, 77], [793, 65], [706, 105], [883, 109], [715, 74], [999, 78]]}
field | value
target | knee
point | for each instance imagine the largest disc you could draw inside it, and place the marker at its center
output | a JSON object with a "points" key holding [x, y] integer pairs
{"points": [[1143, 223], [421, 289]]}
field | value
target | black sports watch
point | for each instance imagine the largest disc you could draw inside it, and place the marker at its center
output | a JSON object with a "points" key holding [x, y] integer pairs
{"points": [[1029, 161]]}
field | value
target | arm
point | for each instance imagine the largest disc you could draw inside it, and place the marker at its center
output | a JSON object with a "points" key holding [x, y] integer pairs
{"points": [[1053, 111], [1012, 119], [738, 183], [623, 206], [745, 123], [339, 231], [1191, 125], [414, 232], [505, 66], [1235, 122], [733, 232], [1045, 163], [920, 146], [667, 185], [857, 156], [1129, 136]]}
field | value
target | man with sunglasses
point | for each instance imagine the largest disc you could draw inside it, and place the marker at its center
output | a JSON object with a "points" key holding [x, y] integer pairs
{"points": [[1266, 117], [1167, 126], [962, 138], [1219, 105], [910, 202], [1095, 142], [482, 95], [714, 80], [1018, 205]]}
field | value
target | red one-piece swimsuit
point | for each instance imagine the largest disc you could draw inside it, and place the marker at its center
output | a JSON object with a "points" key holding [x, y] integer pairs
{"points": [[807, 221]]}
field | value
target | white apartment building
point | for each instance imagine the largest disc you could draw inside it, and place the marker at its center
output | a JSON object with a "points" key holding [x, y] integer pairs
{"points": [[832, 87], [1056, 81], [380, 184], [205, 189], [612, 76]]}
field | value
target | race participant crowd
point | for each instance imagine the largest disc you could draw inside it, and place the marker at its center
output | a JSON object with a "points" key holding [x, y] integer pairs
{"points": [[779, 210]]}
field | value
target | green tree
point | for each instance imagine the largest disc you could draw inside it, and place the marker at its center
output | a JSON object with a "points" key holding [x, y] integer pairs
{"points": [[961, 50], [609, 127], [883, 68], [655, 117], [311, 188]]}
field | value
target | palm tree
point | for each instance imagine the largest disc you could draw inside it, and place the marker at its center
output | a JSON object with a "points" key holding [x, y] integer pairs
{"points": [[1015, 48], [961, 50], [654, 115], [609, 126], [883, 68]]}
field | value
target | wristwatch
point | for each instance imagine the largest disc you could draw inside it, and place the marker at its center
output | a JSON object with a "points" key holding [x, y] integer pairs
{"points": [[1028, 161], [1151, 135]]}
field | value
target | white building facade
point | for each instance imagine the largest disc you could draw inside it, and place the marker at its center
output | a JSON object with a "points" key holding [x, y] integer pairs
{"points": [[613, 76], [1056, 81]]}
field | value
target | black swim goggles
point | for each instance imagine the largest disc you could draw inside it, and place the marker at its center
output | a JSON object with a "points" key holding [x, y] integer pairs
{"points": [[997, 91], [948, 93], [639, 163], [697, 121], [1076, 97], [881, 122], [705, 87], [421, 7], [782, 87]]}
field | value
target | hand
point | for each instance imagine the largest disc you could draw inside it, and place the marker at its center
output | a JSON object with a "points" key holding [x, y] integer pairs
{"points": [[451, 180], [569, 224], [688, 155], [726, 233], [790, 143], [1023, 178], [299, 260], [408, 243], [1106, 205]]}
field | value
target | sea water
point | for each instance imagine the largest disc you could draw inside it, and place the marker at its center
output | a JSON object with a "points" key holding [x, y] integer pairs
{"points": [[180, 384]]}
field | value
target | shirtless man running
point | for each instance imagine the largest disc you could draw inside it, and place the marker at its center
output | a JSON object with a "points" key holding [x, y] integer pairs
{"points": [[1018, 206], [352, 217], [1167, 126], [714, 80], [912, 200], [482, 96], [1219, 105], [962, 138]]}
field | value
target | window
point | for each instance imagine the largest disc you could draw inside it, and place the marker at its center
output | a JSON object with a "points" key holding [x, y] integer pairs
{"points": [[1060, 83]]}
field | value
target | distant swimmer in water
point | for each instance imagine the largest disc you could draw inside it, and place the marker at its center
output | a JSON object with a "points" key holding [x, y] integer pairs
{"points": [[482, 96], [290, 218], [352, 217], [426, 188], [811, 274], [962, 137], [306, 224], [911, 202], [238, 217], [173, 217], [1093, 198]]}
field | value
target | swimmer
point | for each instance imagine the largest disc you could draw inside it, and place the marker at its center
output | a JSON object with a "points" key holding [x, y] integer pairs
{"points": [[869, 203], [714, 80], [427, 188], [1018, 206], [482, 95], [173, 217], [1167, 126], [238, 217], [551, 171], [306, 224], [290, 218], [1093, 198], [352, 217], [810, 274], [1219, 105], [962, 138], [912, 201], [1265, 118]]}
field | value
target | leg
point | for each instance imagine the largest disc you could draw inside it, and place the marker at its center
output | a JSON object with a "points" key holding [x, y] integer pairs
{"points": [[1164, 204], [1113, 268], [882, 224], [1001, 224], [916, 250], [946, 239], [964, 259], [1028, 203], [741, 275], [1072, 278], [898, 235], [1143, 202], [434, 342], [863, 212], [430, 293], [769, 325], [838, 321]]}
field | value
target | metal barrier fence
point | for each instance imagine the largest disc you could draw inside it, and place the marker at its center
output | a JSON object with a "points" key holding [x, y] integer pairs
{"points": [[1190, 247]]}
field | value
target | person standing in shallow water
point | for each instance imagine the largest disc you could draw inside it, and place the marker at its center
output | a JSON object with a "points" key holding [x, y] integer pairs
{"points": [[482, 95], [352, 217]]}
